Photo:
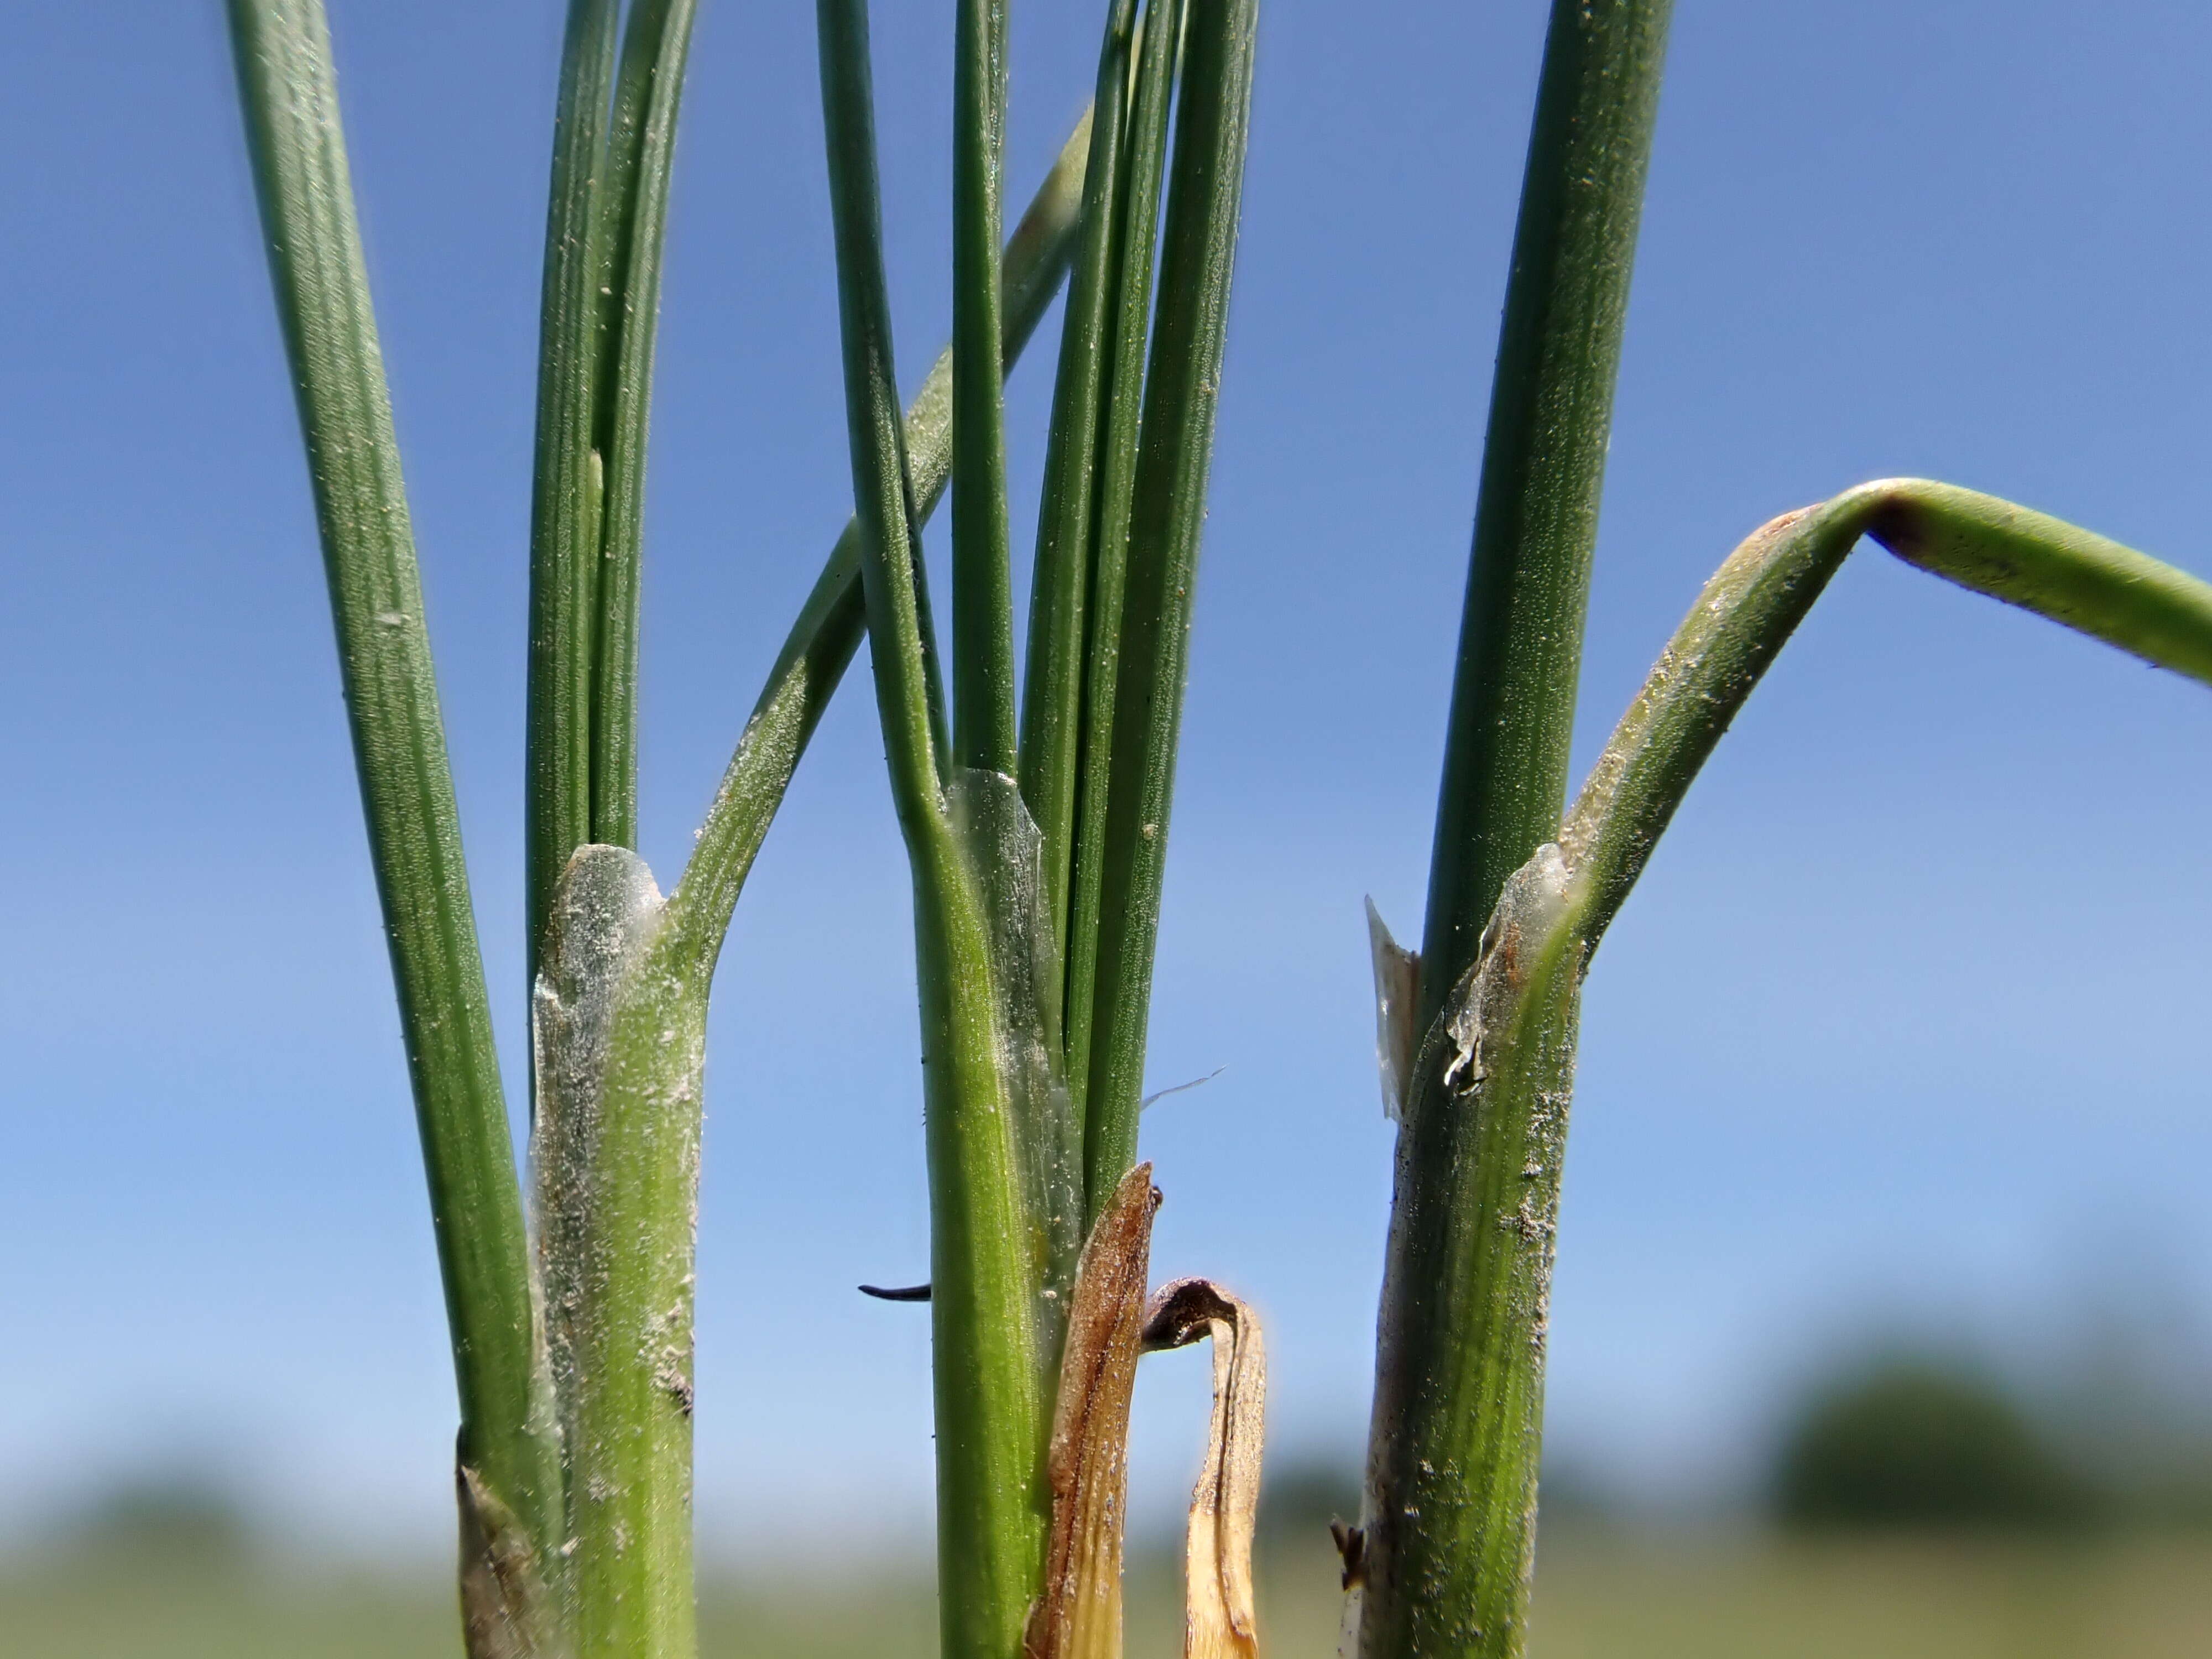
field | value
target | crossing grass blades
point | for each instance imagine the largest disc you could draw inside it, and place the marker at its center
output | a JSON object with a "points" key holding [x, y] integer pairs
{"points": [[1034, 803]]}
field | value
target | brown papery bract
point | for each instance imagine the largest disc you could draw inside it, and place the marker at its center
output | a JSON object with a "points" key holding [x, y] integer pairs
{"points": [[1218, 1614], [1079, 1615]]}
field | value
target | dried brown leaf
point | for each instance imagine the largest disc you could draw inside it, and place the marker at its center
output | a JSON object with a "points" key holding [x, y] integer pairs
{"points": [[1079, 1616], [1218, 1621]]}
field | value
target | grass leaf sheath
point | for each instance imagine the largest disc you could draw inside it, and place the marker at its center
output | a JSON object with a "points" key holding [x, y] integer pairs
{"points": [[1496, 1069], [1449, 1515], [1011, 1167], [990, 1381]]}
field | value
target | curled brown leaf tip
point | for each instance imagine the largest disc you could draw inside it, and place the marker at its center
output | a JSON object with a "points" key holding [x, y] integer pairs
{"points": [[1219, 1622], [1351, 1550], [1079, 1616]]}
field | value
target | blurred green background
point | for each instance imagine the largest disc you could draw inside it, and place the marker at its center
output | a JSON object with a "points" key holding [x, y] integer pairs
{"points": [[1646, 1593], [1915, 1503]]}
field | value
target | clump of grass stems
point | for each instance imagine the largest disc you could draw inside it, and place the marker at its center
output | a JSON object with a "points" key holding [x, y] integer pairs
{"points": [[573, 1456], [1037, 840], [1519, 896], [1035, 807]]}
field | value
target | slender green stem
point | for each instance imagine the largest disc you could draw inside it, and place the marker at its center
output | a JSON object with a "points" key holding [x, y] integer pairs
{"points": [[1453, 1444], [1543, 465], [293, 133], [1136, 210], [991, 1369], [640, 154], [822, 641], [820, 646], [565, 497], [1495, 1073], [621, 1032], [985, 1261], [982, 581], [1051, 694], [1168, 513], [1450, 1520], [880, 499]]}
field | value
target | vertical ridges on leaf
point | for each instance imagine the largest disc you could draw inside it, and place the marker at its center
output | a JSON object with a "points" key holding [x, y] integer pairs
{"points": [[1127, 228], [568, 474], [1052, 692], [641, 151], [1167, 514], [983, 735], [822, 640], [1219, 1621], [1543, 465], [287, 89], [1454, 1438], [606, 230], [890, 558]]}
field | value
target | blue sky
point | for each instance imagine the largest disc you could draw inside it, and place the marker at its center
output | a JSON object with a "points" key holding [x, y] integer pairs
{"points": [[1906, 1022]]}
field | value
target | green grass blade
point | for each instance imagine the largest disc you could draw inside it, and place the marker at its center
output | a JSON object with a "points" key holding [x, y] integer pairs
{"points": [[1487, 1122], [1543, 465], [888, 557], [990, 1241], [1052, 693], [565, 496], [640, 153], [822, 641], [290, 100], [2074, 577], [1114, 466], [1455, 1433], [1168, 515], [983, 734], [1756, 599]]}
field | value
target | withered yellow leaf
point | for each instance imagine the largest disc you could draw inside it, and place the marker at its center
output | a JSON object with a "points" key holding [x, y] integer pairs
{"points": [[1218, 1621]]}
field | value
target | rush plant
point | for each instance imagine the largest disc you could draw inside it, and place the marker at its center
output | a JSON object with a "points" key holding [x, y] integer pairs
{"points": [[1477, 1028], [1037, 845], [1033, 791]]}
